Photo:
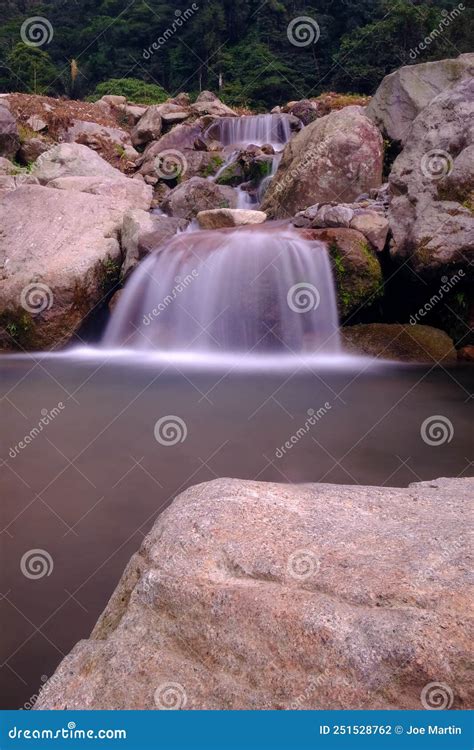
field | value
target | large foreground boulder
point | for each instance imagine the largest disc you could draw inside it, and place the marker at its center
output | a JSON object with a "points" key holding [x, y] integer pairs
{"points": [[403, 343], [59, 254], [335, 158], [249, 595], [402, 95], [431, 215]]}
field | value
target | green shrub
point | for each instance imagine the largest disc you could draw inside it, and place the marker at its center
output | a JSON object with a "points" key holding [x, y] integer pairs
{"points": [[133, 89]]}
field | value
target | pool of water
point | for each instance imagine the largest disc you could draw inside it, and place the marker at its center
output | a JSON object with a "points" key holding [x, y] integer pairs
{"points": [[123, 433]]}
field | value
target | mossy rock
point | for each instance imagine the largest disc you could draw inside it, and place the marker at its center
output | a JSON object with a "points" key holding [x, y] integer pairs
{"points": [[403, 343], [357, 271]]}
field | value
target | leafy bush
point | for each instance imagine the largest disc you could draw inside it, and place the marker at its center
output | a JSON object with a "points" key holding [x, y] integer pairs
{"points": [[133, 89]]}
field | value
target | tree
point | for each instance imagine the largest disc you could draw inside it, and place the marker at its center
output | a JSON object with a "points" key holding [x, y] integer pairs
{"points": [[31, 70]]}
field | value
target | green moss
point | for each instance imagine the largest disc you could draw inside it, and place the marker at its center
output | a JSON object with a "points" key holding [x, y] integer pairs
{"points": [[19, 328], [211, 168], [355, 282], [110, 272]]}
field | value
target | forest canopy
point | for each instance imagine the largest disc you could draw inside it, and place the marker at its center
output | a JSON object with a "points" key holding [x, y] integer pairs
{"points": [[255, 53]]}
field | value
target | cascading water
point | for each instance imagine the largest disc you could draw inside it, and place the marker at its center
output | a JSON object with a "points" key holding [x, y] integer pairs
{"points": [[251, 289], [237, 133], [258, 130]]}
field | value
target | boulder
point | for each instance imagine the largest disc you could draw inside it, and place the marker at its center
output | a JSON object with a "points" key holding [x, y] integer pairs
{"points": [[123, 191], [218, 218], [305, 110], [148, 128], [7, 167], [402, 95], [208, 103], [179, 140], [72, 160], [172, 113], [59, 255], [335, 158], [195, 195], [9, 137], [93, 135], [256, 595], [357, 271], [431, 213], [404, 343], [143, 232], [373, 226], [32, 148]]}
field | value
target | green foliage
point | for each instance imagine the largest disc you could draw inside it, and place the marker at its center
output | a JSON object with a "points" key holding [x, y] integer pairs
{"points": [[31, 70], [133, 89], [239, 48]]}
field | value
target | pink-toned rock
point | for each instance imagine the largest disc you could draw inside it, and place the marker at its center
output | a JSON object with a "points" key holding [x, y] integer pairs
{"points": [[335, 158], [252, 595]]}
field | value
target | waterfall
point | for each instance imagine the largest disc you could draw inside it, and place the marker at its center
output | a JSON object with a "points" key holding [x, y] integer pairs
{"points": [[251, 289], [254, 129]]}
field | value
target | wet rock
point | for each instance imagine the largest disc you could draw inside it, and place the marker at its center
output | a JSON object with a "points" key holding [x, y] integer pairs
{"points": [[404, 343], [335, 158], [142, 233], [219, 218], [402, 95], [59, 255], [195, 195], [357, 272], [255, 595]]}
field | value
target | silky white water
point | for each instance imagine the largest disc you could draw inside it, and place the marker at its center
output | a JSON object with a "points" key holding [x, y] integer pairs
{"points": [[253, 289]]}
